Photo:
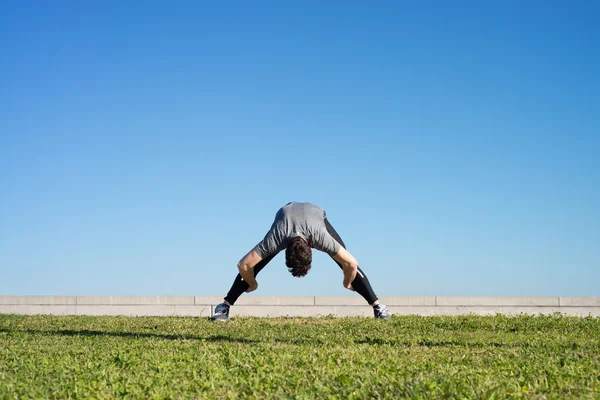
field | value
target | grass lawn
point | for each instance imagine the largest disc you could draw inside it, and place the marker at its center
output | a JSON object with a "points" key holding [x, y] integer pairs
{"points": [[344, 358]]}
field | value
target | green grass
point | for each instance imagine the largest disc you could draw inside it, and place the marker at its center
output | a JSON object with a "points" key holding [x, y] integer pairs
{"points": [[344, 358]]}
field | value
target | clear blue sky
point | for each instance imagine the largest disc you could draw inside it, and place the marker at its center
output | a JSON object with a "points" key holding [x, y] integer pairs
{"points": [[145, 146]]}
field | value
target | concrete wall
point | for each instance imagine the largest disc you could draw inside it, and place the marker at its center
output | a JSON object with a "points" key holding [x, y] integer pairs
{"points": [[203, 306]]}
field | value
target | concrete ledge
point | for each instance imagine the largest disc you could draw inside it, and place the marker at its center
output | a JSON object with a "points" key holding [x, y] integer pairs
{"points": [[424, 311], [262, 300], [193, 311], [408, 300], [40, 300], [301, 311], [387, 300], [339, 301], [135, 300], [208, 300], [579, 301], [32, 309], [296, 306], [144, 310], [497, 301]]}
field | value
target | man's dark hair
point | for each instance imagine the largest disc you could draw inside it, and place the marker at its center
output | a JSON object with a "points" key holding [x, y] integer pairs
{"points": [[298, 257]]}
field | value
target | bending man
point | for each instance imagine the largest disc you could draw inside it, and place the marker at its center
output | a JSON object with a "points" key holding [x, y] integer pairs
{"points": [[298, 228]]}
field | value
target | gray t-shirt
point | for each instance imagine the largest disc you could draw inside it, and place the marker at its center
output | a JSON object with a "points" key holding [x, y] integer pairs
{"points": [[298, 219]]}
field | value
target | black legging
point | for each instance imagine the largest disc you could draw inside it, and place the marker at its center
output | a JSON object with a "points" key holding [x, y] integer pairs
{"points": [[360, 284]]}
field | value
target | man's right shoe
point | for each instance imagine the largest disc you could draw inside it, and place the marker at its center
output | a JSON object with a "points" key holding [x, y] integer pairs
{"points": [[381, 312], [221, 313]]}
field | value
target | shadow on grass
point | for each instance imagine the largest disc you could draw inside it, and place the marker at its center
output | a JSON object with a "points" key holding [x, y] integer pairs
{"points": [[481, 345], [301, 341], [163, 336], [223, 338], [434, 343], [135, 335]]}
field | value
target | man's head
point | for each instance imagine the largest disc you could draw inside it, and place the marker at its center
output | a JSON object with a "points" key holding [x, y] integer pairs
{"points": [[298, 257]]}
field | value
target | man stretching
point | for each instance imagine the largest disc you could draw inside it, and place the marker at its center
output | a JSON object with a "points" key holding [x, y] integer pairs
{"points": [[298, 228]]}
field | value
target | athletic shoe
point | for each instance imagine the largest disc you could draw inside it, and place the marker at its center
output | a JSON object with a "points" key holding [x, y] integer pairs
{"points": [[381, 312], [221, 313]]}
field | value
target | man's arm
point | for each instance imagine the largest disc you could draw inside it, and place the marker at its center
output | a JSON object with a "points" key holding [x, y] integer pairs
{"points": [[246, 267], [349, 265], [271, 244]]}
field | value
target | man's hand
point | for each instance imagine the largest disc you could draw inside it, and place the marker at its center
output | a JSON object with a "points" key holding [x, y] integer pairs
{"points": [[349, 266], [246, 268], [252, 288]]}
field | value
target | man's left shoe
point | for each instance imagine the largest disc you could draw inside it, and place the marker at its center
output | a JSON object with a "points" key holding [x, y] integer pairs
{"points": [[221, 313], [381, 312]]}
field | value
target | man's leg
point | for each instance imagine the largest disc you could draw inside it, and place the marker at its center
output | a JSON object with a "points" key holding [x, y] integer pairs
{"points": [[361, 283], [240, 286]]}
